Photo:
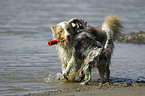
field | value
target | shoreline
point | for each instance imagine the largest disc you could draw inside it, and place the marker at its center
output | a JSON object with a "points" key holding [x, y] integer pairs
{"points": [[97, 89]]}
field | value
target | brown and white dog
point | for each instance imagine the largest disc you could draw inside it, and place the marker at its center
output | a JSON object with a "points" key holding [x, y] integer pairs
{"points": [[83, 47]]}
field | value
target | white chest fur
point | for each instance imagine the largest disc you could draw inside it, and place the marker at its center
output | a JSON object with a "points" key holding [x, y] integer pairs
{"points": [[64, 53]]}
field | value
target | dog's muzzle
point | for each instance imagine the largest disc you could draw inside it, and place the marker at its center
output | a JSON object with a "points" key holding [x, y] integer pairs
{"points": [[68, 38]]}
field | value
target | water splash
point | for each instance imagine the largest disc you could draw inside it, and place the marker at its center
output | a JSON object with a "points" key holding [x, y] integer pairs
{"points": [[54, 78], [73, 76]]}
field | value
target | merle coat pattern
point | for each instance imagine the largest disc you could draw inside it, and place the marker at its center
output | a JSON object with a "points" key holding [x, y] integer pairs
{"points": [[88, 47]]}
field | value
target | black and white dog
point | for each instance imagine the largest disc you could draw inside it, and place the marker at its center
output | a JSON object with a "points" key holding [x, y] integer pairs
{"points": [[85, 47]]}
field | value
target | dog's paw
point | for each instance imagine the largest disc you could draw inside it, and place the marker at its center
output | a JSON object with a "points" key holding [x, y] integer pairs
{"points": [[65, 76], [84, 83], [81, 78]]}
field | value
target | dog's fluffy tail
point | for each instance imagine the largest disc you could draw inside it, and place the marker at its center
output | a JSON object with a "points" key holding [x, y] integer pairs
{"points": [[112, 26]]}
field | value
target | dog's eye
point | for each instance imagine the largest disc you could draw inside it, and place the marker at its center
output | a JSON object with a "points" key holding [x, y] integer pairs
{"points": [[68, 29]]}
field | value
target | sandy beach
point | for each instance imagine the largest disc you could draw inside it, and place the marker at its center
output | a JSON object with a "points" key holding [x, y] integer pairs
{"points": [[107, 89]]}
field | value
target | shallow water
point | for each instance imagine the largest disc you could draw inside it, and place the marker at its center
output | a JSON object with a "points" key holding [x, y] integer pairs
{"points": [[26, 61]]}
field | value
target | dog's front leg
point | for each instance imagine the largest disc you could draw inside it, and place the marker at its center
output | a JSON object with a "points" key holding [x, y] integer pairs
{"points": [[70, 64]]}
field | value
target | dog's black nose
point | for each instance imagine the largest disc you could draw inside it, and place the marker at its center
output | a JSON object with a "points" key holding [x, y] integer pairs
{"points": [[68, 37]]}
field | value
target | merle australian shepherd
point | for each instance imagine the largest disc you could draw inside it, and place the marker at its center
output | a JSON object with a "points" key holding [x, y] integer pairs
{"points": [[84, 47]]}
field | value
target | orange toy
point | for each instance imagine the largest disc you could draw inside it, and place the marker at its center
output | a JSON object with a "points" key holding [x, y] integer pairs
{"points": [[52, 42]]}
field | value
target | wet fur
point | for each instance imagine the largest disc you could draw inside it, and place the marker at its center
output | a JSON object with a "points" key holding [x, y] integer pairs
{"points": [[88, 48]]}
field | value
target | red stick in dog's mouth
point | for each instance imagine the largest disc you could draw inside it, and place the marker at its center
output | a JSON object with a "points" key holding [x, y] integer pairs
{"points": [[52, 42]]}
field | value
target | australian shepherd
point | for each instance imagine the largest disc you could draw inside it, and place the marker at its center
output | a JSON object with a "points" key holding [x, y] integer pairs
{"points": [[82, 47]]}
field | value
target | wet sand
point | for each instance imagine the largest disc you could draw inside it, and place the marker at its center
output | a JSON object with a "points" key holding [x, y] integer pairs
{"points": [[107, 89]]}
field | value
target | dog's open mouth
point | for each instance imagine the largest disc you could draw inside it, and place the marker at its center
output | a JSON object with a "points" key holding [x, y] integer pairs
{"points": [[68, 40], [65, 40]]}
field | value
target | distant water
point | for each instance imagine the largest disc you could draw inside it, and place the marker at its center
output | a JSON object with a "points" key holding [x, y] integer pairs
{"points": [[27, 62]]}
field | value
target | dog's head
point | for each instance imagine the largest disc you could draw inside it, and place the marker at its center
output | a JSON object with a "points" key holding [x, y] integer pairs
{"points": [[63, 32], [66, 31], [78, 25]]}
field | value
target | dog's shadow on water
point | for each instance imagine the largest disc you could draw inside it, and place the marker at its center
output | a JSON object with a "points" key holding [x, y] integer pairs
{"points": [[118, 80]]}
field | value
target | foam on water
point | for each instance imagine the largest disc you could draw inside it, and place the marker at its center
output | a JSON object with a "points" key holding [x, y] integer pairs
{"points": [[54, 78], [73, 76]]}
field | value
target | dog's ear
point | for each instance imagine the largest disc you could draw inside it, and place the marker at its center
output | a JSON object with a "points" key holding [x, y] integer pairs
{"points": [[53, 28], [85, 22], [79, 23]]}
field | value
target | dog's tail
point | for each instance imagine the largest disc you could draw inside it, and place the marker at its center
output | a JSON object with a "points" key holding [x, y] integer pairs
{"points": [[112, 26]]}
